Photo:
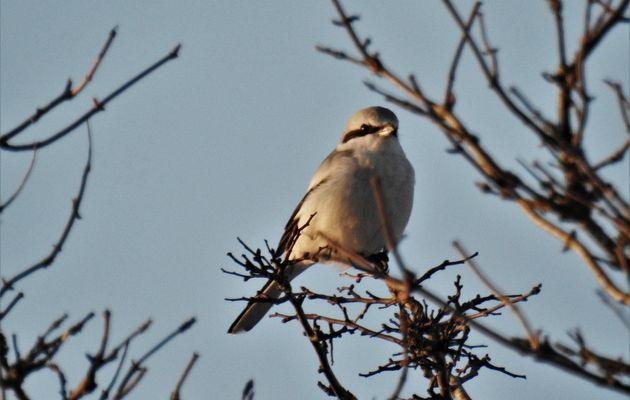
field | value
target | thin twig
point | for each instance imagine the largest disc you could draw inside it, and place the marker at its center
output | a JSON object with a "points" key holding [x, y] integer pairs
{"points": [[175, 395], [88, 383], [449, 97], [336, 387], [556, 9], [74, 216], [404, 331], [615, 157], [443, 265], [101, 55], [136, 371], [533, 338], [105, 393], [621, 312], [581, 250], [563, 130], [622, 101], [492, 72], [14, 301], [408, 279], [601, 28], [4, 205], [62, 379]]}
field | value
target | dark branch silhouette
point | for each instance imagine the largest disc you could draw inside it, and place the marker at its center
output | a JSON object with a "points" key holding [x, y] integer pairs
{"points": [[17, 367], [69, 92], [563, 192], [570, 198]]}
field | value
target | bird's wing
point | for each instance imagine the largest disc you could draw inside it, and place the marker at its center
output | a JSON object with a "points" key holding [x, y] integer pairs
{"points": [[328, 168], [293, 225]]}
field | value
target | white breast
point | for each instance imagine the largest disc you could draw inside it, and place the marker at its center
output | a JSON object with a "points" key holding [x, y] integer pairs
{"points": [[343, 202]]}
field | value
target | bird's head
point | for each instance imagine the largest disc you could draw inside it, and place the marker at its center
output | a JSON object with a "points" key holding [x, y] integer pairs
{"points": [[371, 121]]}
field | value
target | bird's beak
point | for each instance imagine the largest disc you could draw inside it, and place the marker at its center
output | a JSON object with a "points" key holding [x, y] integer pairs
{"points": [[388, 130]]}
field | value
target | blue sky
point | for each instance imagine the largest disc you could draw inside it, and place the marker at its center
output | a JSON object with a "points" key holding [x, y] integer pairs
{"points": [[222, 143]]}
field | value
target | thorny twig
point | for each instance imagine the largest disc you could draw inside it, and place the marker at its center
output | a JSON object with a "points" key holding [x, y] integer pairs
{"points": [[414, 327]]}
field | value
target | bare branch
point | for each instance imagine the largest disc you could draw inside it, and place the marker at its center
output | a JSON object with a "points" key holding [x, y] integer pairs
{"points": [[491, 72], [39, 356], [446, 263], [580, 249], [544, 353], [98, 106], [68, 93], [137, 370], [608, 19]]}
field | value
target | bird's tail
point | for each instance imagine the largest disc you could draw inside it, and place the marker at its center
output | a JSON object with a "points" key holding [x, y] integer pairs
{"points": [[255, 311]]}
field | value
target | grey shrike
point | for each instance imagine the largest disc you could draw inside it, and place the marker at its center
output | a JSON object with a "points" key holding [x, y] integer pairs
{"points": [[341, 203]]}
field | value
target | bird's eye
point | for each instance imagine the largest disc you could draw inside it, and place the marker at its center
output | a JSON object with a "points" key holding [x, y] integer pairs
{"points": [[364, 127]]}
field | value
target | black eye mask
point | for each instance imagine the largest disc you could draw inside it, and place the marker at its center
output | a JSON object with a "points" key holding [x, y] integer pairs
{"points": [[363, 131]]}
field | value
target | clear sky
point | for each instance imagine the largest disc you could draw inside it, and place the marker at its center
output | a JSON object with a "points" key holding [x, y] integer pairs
{"points": [[222, 143]]}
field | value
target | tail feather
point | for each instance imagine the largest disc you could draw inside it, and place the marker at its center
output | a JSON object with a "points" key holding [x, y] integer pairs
{"points": [[255, 310]]}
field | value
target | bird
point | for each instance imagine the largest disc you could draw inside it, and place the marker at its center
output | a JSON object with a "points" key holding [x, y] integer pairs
{"points": [[340, 206]]}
